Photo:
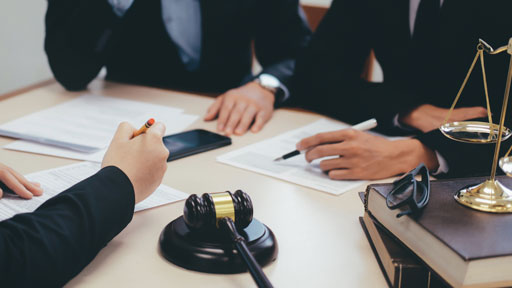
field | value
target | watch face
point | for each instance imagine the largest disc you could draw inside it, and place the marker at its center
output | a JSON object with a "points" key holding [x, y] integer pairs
{"points": [[269, 81]]}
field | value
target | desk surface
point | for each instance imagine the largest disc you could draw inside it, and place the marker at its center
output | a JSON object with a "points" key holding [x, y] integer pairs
{"points": [[321, 243]]}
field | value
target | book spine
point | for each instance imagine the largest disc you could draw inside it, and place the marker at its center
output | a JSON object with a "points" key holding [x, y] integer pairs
{"points": [[404, 276], [407, 276], [366, 193]]}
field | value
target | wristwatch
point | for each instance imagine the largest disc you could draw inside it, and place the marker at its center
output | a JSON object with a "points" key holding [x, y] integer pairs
{"points": [[272, 84]]}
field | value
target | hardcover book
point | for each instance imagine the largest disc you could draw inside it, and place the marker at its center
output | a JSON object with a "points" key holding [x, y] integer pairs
{"points": [[464, 246], [400, 266]]}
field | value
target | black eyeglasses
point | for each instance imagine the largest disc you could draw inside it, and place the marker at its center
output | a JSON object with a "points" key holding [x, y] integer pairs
{"points": [[408, 191]]}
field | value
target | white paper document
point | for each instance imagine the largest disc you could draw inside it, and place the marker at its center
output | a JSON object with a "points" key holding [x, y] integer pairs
{"points": [[59, 179], [87, 123], [179, 123], [259, 158], [33, 147]]}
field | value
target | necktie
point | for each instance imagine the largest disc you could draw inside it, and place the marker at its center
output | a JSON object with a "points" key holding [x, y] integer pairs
{"points": [[427, 24], [425, 45]]}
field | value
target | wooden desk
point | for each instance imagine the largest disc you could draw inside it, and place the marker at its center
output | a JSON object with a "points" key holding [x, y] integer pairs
{"points": [[321, 243]]}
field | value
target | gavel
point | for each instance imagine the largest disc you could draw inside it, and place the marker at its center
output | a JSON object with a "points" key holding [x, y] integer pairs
{"points": [[227, 212]]}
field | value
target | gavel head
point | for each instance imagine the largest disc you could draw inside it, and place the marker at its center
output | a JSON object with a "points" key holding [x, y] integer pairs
{"points": [[204, 212]]}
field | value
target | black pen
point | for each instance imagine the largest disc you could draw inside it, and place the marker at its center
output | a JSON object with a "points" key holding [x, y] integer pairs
{"points": [[363, 126]]}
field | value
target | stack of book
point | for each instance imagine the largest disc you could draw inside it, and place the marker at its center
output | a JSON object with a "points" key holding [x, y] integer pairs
{"points": [[447, 245]]}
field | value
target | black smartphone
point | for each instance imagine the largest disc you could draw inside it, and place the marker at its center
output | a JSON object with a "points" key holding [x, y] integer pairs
{"points": [[192, 142]]}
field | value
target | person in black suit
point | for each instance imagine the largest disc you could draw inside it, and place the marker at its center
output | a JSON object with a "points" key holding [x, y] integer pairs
{"points": [[50, 246], [192, 45], [425, 48]]}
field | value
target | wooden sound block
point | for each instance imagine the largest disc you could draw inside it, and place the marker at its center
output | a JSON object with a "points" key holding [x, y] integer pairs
{"points": [[212, 252]]}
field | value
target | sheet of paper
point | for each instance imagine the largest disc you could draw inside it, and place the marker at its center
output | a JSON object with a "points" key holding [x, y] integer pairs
{"points": [[59, 179], [86, 123], [178, 124], [259, 158], [32, 147]]}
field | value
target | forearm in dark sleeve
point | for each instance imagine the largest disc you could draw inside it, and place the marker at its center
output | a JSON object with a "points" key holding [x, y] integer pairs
{"points": [[77, 36], [48, 247], [328, 74], [463, 159]]}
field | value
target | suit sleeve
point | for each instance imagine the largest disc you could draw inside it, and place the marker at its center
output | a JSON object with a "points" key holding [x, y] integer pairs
{"points": [[463, 159], [78, 33], [280, 37], [328, 73], [48, 247]]}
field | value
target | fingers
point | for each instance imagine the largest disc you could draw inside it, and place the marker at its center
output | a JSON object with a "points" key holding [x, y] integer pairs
{"points": [[246, 120], [261, 119], [32, 187], [124, 132], [322, 151], [234, 117], [158, 129], [35, 190], [225, 110], [15, 185], [467, 113], [213, 110], [340, 169], [332, 164], [342, 174], [326, 137]]}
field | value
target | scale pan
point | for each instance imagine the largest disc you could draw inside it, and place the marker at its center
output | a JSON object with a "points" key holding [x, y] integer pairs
{"points": [[506, 165], [474, 132]]}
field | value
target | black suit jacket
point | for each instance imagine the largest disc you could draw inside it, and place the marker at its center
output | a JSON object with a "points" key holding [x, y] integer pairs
{"points": [[82, 36], [48, 247], [328, 75]]}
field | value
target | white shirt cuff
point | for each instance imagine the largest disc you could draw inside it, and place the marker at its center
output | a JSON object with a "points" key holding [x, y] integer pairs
{"points": [[443, 165], [396, 123], [285, 90]]}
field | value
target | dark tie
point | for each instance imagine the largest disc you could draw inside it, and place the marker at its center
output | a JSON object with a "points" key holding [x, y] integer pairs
{"points": [[426, 26], [425, 47]]}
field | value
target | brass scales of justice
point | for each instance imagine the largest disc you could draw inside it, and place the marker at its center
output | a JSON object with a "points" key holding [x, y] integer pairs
{"points": [[491, 195]]}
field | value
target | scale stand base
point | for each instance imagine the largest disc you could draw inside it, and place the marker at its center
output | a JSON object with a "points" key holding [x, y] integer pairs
{"points": [[489, 196], [213, 252]]}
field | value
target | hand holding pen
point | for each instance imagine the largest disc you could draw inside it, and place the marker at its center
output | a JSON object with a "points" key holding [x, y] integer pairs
{"points": [[143, 158], [355, 154], [363, 126], [13, 183]]}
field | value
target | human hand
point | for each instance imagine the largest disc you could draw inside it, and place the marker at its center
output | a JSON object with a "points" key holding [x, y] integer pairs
{"points": [[18, 184], [362, 155], [239, 107], [428, 117], [142, 159]]}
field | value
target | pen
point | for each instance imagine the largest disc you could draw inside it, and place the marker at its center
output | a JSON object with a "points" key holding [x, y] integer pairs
{"points": [[144, 127], [363, 126]]}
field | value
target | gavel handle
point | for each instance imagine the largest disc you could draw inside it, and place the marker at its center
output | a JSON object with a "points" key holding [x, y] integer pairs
{"points": [[254, 268]]}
